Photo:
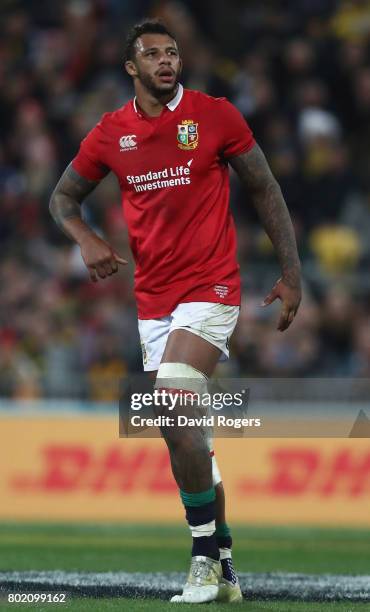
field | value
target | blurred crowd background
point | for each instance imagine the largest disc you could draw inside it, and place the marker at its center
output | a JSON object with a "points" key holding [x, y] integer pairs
{"points": [[299, 71]]}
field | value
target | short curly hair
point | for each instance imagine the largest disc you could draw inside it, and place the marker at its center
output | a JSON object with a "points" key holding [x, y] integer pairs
{"points": [[149, 26]]}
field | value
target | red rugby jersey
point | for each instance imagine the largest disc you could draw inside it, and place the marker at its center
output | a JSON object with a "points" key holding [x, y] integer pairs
{"points": [[174, 180]]}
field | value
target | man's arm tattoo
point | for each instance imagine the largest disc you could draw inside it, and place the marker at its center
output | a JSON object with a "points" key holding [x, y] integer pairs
{"points": [[254, 172], [69, 193]]}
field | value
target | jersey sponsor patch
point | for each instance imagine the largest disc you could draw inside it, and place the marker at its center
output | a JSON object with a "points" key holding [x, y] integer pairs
{"points": [[221, 290], [172, 176], [128, 143], [187, 135]]}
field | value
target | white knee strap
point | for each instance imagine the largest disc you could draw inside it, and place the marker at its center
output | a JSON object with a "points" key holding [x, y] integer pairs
{"points": [[175, 373], [181, 370]]}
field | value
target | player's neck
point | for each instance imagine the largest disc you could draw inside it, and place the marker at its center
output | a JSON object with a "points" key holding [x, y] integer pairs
{"points": [[150, 104]]}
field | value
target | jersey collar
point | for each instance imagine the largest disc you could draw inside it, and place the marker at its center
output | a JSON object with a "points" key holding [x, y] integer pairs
{"points": [[172, 104]]}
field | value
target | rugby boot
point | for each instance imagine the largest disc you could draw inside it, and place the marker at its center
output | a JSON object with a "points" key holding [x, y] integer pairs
{"points": [[203, 581]]}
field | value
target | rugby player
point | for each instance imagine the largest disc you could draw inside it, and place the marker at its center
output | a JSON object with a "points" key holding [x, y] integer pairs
{"points": [[170, 149]]}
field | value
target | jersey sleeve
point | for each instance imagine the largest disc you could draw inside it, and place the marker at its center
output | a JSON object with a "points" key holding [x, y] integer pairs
{"points": [[236, 135], [88, 161]]}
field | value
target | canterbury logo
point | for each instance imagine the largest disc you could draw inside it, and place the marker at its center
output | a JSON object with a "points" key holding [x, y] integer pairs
{"points": [[128, 143]]}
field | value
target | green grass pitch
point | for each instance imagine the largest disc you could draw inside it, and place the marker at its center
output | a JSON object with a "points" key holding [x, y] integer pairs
{"points": [[100, 548]]}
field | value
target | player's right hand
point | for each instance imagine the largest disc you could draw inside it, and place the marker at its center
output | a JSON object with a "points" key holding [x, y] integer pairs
{"points": [[99, 257], [290, 298]]}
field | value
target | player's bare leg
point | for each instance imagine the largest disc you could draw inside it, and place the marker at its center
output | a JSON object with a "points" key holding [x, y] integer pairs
{"points": [[192, 468], [219, 488], [184, 347]]}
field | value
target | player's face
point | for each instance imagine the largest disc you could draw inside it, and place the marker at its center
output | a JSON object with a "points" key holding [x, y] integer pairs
{"points": [[157, 63]]}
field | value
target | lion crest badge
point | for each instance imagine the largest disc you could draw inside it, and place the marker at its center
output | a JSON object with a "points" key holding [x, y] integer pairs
{"points": [[187, 135]]}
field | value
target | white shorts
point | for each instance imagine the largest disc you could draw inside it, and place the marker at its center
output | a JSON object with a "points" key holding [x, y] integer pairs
{"points": [[213, 322]]}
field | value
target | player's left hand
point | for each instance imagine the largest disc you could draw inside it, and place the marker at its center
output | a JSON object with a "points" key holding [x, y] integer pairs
{"points": [[290, 298]]}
